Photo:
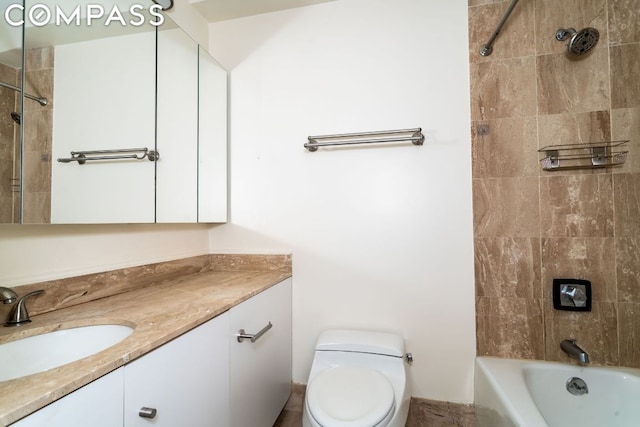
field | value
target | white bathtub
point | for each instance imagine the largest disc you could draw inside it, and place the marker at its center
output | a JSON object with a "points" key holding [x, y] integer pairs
{"points": [[528, 393]]}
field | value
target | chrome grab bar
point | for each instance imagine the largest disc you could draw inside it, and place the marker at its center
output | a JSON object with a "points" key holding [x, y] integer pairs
{"points": [[488, 47], [242, 335], [117, 154], [415, 136], [41, 101]]}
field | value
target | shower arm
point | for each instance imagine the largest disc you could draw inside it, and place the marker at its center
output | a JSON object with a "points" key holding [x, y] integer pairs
{"points": [[488, 47], [41, 101]]}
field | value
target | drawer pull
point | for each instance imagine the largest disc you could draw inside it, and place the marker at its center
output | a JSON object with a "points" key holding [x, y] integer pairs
{"points": [[147, 412], [242, 335]]}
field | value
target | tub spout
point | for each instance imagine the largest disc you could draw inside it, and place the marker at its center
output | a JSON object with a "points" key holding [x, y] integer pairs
{"points": [[573, 350]]}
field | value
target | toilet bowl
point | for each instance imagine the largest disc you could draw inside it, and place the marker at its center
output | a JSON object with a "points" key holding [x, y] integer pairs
{"points": [[357, 379]]}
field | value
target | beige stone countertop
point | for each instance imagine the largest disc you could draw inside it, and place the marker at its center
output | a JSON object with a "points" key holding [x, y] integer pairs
{"points": [[158, 314]]}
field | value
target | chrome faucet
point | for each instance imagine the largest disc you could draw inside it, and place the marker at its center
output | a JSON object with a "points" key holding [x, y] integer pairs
{"points": [[573, 350], [7, 295], [19, 314]]}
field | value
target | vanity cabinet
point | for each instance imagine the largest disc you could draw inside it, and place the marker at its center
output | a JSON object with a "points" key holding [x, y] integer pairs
{"points": [[205, 377], [260, 371], [98, 404], [185, 380]]}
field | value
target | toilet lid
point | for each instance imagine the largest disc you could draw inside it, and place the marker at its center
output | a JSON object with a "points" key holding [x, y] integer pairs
{"points": [[350, 397]]}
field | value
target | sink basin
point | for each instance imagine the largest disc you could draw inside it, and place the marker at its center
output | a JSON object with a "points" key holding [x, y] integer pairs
{"points": [[42, 352]]}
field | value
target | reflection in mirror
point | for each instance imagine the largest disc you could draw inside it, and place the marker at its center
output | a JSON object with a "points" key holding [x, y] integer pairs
{"points": [[100, 81], [112, 87], [10, 114], [36, 139], [191, 180], [212, 140], [177, 126]]}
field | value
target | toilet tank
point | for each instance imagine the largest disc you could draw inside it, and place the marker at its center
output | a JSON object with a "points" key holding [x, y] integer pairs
{"points": [[361, 342]]}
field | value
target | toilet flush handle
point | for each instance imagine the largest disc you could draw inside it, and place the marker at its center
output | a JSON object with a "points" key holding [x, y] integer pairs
{"points": [[409, 358]]}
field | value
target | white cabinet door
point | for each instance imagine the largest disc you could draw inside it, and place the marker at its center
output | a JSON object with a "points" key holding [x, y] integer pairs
{"points": [[98, 404], [260, 372], [186, 380]]}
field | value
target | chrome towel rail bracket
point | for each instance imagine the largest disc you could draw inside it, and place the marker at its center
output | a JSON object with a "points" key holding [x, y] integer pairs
{"points": [[414, 136], [117, 154]]}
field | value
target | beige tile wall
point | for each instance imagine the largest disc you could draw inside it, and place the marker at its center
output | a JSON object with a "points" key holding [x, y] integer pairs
{"points": [[531, 226], [8, 137], [38, 129], [38, 125]]}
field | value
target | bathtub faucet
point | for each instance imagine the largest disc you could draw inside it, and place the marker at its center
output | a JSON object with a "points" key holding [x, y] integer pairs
{"points": [[573, 350]]}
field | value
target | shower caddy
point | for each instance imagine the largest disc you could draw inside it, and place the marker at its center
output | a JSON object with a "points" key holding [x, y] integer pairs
{"points": [[591, 155]]}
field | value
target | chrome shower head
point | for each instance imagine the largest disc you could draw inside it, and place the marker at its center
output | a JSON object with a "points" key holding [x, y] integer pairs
{"points": [[16, 117], [581, 42]]}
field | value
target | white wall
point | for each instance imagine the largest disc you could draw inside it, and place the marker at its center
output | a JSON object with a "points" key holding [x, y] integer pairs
{"points": [[381, 236], [35, 253]]}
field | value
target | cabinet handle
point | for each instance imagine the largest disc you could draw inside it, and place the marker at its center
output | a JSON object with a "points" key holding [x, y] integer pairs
{"points": [[242, 335], [147, 412]]}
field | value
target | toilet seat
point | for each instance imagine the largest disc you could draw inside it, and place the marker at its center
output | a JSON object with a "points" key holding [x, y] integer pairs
{"points": [[350, 397]]}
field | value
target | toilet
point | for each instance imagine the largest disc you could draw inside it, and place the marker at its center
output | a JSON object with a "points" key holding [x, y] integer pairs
{"points": [[358, 379]]}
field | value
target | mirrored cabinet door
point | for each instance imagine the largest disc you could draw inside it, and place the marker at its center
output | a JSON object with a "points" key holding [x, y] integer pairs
{"points": [[212, 140], [177, 124], [133, 127], [10, 115], [104, 101], [192, 132], [99, 83]]}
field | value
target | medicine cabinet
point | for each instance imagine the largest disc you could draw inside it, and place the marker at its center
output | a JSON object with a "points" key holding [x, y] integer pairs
{"points": [[133, 129]]}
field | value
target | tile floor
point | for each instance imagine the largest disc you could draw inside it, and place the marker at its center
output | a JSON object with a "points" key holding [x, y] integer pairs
{"points": [[422, 412]]}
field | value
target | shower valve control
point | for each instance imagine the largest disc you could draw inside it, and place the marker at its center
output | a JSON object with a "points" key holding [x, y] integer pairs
{"points": [[572, 294]]}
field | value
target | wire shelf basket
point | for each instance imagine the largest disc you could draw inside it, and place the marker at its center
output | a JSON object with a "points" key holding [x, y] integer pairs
{"points": [[592, 155]]}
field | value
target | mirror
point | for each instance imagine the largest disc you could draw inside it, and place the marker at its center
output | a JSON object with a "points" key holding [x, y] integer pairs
{"points": [[177, 124], [10, 111], [191, 183], [102, 92], [100, 80], [212, 139]]}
